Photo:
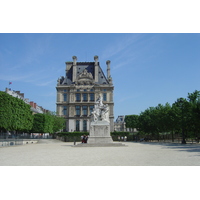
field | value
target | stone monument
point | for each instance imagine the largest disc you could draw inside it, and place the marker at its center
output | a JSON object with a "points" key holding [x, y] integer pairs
{"points": [[100, 124], [99, 135]]}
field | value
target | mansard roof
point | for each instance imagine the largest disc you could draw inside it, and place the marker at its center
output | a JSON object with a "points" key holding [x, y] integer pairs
{"points": [[81, 66]]}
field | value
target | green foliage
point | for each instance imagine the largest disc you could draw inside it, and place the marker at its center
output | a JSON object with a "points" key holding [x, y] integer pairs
{"points": [[72, 134], [120, 133], [15, 114], [43, 123], [58, 122], [182, 117], [131, 121], [47, 123], [38, 123]]}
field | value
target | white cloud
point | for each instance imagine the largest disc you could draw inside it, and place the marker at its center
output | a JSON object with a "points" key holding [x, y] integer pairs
{"points": [[120, 45], [125, 98], [46, 83], [15, 77]]}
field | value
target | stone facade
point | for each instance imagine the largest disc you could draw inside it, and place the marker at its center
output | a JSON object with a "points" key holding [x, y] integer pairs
{"points": [[120, 124], [78, 90]]}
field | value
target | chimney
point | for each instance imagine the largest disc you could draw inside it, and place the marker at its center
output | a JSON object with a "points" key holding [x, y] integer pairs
{"points": [[108, 68], [96, 69], [32, 104], [96, 60], [74, 60], [74, 68]]}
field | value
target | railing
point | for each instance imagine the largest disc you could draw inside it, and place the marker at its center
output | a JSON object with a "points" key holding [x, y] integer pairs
{"points": [[18, 137], [10, 142]]}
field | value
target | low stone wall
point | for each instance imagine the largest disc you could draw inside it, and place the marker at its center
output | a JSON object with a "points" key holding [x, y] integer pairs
{"points": [[4, 143]]}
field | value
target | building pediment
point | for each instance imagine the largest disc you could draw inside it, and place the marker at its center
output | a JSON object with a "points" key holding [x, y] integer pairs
{"points": [[85, 78]]}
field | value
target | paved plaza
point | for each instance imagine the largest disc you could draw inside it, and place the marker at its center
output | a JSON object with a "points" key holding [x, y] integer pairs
{"points": [[58, 153]]}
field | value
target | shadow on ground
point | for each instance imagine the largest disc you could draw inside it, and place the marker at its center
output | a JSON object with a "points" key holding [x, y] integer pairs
{"points": [[177, 146]]}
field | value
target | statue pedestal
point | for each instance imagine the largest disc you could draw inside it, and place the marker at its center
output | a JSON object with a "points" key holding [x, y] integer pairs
{"points": [[99, 133]]}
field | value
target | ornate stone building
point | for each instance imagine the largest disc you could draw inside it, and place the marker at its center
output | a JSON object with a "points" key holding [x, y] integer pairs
{"points": [[78, 90], [120, 124]]}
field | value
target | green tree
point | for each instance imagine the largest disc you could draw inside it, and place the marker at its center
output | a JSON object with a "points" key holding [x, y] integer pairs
{"points": [[183, 117], [194, 100], [147, 122], [131, 121], [58, 122], [47, 123], [15, 114], [42, 123]]}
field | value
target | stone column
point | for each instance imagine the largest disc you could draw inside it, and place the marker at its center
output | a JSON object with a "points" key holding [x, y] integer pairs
{"points": [[88, 125], [81, 124]]}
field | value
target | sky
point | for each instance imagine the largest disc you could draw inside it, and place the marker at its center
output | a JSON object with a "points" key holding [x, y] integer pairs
{"points": [[147, 68]]}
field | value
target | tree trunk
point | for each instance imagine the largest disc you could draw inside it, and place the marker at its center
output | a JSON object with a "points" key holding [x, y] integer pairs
{"points": [[172, 136], [183, 137]]}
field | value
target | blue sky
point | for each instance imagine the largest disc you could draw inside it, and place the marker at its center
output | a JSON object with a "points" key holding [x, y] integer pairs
{"points": [[147, 69]]}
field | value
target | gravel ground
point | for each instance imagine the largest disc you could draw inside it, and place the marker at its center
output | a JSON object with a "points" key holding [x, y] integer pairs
{"points": [[57, 153]]}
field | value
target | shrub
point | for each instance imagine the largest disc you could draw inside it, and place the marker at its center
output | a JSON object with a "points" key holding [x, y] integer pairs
{"points": [[116, 133]]}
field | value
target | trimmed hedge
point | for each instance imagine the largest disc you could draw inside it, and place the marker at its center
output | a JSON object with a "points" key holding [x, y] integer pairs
{"points": [[72, 134], [115, 133]]}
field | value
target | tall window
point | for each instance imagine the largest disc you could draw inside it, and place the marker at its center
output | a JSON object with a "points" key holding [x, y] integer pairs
{"points": [[91, 109], [84, 125], [85, 97], [78, 97], [77, 125], [64, 97], [85, 110], [104, 96], [91, 96], [78, 111], [64, 110]]}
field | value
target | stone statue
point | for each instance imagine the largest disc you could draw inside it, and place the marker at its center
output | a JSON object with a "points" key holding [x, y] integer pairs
{"points": [[100, 111]]}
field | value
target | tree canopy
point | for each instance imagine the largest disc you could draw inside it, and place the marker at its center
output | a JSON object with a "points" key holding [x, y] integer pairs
{"points": [[182, 116], [47, 123], [15, 114]]}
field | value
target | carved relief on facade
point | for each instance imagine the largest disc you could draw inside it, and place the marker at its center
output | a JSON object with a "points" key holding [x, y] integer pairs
{"points": [[85, 78], [72, 97], [71, 111]]}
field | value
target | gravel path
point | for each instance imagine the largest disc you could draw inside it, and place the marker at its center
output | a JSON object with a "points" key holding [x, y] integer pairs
{"points": [[58, 153]]}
